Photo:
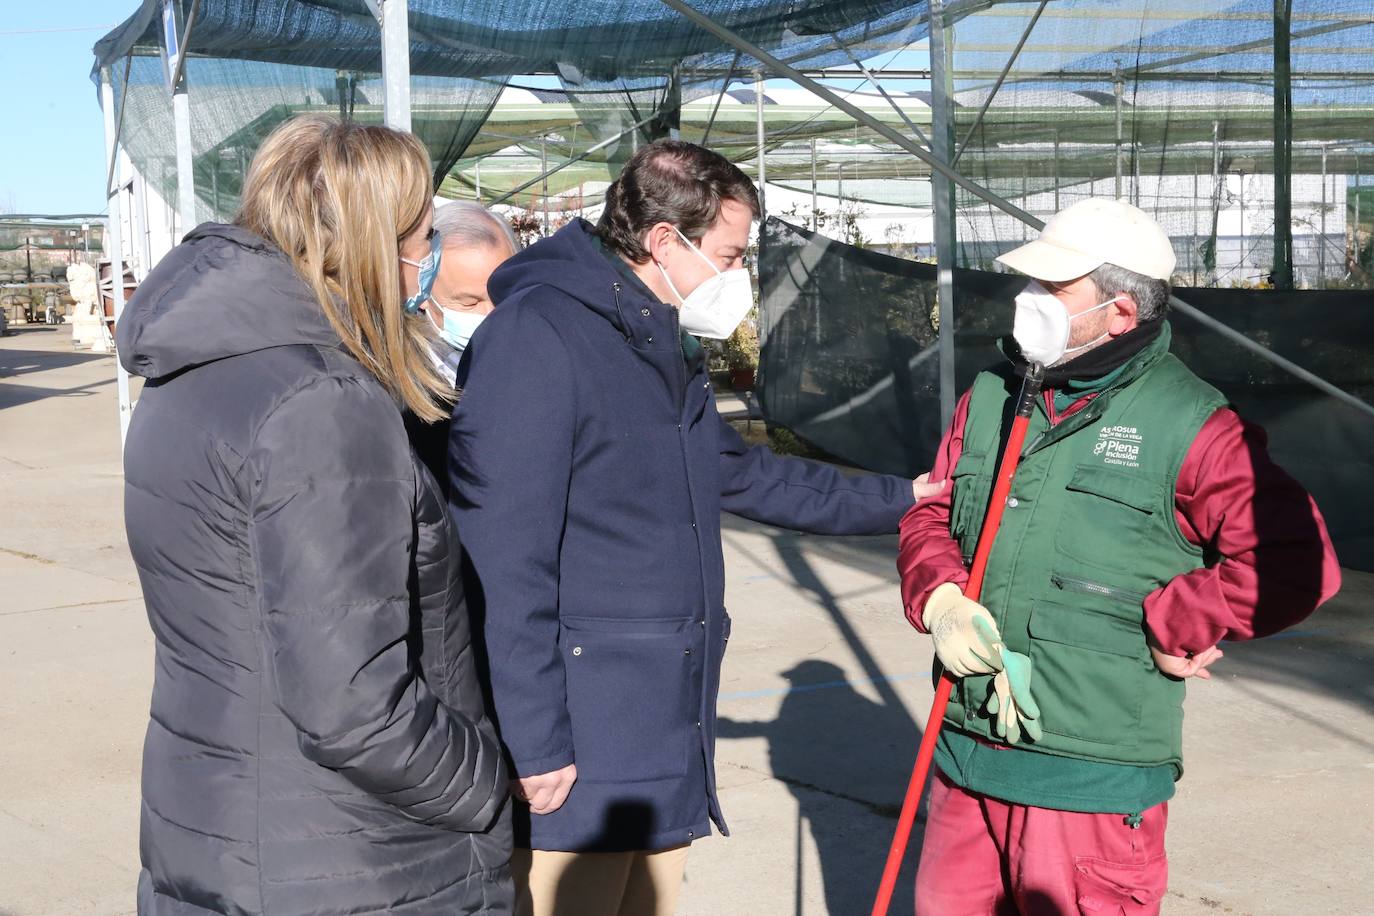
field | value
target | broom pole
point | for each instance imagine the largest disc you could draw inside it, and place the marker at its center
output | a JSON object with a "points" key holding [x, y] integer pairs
{"points": [[992, 521]]}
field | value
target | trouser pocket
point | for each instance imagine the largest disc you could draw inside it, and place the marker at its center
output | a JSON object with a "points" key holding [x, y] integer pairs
{"points": [[1106, 888]]}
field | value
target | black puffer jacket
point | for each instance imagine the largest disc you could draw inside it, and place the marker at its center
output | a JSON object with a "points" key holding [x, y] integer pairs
{"points": [[318, 741]]}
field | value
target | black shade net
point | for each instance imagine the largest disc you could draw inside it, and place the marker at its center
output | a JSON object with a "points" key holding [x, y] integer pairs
{"points": [[849, 362]]}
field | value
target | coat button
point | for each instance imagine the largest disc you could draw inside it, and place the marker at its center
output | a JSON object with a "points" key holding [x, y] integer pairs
{"points": [[649, 339], [702, 621], [645, 312], [577, 650], [698, 723], [690, 834], [686, 651], [1012, 502]]}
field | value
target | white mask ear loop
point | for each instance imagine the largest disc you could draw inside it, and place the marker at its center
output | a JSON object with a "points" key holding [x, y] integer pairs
{"points": [[701, 254], [1085, 346], [688, 242]]}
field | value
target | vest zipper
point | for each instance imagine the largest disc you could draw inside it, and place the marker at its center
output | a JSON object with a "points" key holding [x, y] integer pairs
{"points": [[1084, 586]]}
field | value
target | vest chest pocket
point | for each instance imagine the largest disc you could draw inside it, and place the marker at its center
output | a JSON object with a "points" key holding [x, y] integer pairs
{"points": [[968, 501], [1104, 512]]}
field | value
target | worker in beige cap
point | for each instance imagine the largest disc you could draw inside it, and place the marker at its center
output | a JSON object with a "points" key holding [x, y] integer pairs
{"points": [[1142, 519]]}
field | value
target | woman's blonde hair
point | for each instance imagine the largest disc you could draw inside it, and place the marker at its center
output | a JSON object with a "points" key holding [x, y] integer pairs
{"points": [[337, 198]]}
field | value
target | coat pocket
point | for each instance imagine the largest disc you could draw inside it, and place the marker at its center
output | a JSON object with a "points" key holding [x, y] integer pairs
{"points": [[629, 698]]}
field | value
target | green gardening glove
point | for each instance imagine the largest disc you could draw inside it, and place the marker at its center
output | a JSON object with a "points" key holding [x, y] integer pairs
{"points": [[1011, 701]]}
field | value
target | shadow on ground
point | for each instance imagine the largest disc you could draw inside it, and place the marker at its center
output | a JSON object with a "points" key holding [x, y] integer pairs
{"points": [[864, 752], [834, 747]]}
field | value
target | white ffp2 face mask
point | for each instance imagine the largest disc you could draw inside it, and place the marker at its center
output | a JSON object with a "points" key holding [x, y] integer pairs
{"points": [[459, 327], [719, 304], [1042, 325]]}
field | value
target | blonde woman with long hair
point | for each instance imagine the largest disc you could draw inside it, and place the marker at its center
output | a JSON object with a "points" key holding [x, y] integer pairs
{"points": [[318, 740]]}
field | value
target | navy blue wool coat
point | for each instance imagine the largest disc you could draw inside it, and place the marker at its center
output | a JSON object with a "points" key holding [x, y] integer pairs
{"points": [[589, 470]]}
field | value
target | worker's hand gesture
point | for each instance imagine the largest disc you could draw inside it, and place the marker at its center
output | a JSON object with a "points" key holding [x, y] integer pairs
{"points": [[1184, 666], [962, 647]]}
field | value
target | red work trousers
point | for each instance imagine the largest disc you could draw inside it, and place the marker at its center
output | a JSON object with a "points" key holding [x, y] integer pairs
{"points": [[984, 857]]}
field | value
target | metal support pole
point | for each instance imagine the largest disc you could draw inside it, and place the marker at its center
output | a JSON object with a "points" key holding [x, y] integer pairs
{"points": [[1135, 173], [839, 191], [1056, 171], [1216, 196], [186, 182], [1356, 232], [1025, 199], [115, 241], [544, 170], [395, 23], [141, 245], [672, 104], [1119, 90], [815, 220], [758, 114], [1240, 199], [942, 191], [181, 121], [478, 170], [1321, 243], [1192, 248], [1283, 147]]}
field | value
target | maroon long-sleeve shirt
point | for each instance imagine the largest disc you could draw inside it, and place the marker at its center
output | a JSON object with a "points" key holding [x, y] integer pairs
{"points": [[1276, 563]]}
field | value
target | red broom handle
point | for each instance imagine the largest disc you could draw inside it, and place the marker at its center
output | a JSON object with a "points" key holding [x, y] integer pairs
{"points": [[992, 521]]}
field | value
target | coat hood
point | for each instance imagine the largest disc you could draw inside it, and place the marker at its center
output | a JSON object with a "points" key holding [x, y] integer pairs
{"points": [[222, 292], [573, 262]]}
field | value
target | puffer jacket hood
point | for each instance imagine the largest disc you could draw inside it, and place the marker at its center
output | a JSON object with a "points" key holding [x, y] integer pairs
{"points": [[196, 307], [572, 262]]}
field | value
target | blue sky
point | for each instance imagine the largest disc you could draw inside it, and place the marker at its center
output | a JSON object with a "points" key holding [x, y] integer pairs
{"points": [[51, 160]]}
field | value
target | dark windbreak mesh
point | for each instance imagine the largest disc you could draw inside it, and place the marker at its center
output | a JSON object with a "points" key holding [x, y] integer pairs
{"points": [[849, 363]]}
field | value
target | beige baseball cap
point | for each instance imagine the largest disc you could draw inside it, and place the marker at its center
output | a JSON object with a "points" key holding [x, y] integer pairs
{"points": [[1079, 239]]}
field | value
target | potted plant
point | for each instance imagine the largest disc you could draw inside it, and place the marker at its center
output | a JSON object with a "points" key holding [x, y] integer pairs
{"points": [[741, 351]]}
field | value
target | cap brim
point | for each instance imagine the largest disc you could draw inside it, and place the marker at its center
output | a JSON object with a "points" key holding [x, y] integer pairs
{"points": [[1044, 261]]}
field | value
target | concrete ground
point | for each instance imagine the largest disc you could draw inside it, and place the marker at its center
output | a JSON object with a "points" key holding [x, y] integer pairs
{"points": [[825, 691]]}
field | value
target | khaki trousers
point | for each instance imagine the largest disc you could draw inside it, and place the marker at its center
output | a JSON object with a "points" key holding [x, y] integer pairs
{"points": [[598, 883]]}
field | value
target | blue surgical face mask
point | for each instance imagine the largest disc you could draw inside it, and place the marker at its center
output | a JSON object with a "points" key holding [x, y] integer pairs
{"points": [[429, 269], [459, 327]]}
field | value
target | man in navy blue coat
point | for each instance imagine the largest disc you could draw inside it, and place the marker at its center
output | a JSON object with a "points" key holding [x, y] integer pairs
{"points": [[589, 469]]}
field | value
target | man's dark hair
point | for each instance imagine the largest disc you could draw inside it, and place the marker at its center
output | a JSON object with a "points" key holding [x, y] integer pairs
{"points": [[669, 181]]}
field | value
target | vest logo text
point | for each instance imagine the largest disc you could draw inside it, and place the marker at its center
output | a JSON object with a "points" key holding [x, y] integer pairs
{"points": [[1119, 446]]}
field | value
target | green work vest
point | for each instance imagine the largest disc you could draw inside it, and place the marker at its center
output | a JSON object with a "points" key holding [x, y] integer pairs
{"points": [[1088, 532]]}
